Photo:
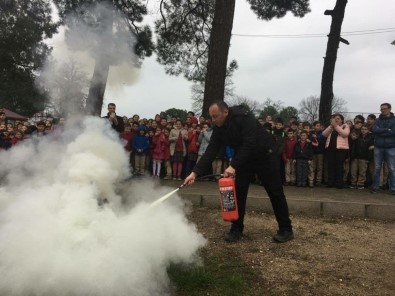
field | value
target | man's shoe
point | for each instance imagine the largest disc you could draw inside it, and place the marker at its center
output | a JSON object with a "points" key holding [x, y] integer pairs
{"points": [[373, 190], [283, 236], [361, 187], [233, 235]]}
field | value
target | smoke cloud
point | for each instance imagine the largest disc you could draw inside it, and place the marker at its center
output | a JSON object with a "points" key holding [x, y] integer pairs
{"points": [[56, 239], [97, 33]]}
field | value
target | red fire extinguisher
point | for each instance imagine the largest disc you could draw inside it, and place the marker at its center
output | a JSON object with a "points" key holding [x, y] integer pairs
{"points": [[227, 190]]}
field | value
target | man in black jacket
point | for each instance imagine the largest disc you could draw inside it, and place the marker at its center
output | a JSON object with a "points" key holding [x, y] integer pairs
{"points": [[115, 120], [255, 153]]}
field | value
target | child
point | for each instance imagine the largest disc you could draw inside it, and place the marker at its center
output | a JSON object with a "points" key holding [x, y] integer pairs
{"points": [[361, 153], [303, 155], [178, 151], [158, 152], [279, 135], [317, 165], [166, 154], [192, 149], [287, 155], [140, 147], [148, 158]]}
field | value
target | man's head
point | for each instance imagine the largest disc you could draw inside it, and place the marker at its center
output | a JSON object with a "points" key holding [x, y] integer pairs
{"points": [[111, 107], [385, 109], [290, 134], [40, 126], [2, 116], [218, 111]]}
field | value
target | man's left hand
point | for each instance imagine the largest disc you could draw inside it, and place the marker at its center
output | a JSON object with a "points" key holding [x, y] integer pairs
{"points": [[230, 172]]}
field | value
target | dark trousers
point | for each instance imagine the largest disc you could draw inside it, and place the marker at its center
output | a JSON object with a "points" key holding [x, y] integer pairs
{"points": [[302, 167], [336, 160], [267, 168]]}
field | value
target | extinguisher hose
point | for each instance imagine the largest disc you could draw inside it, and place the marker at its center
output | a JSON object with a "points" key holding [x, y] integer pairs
{"points": [[166, 196]]}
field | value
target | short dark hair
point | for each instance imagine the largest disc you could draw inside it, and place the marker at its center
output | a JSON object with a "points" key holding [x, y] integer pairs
{"points": [[387, 104], [111, 104], [222, 106], [371, 116], [360, 118], [303, 132], [316, 122]]}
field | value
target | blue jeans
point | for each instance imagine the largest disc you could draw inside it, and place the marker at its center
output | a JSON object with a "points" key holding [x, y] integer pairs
{"points": [[387, 155]]}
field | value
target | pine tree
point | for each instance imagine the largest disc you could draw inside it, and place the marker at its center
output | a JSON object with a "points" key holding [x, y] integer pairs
{"points": [[24, 25]]}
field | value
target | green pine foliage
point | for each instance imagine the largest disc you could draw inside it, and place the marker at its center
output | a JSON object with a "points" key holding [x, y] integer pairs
{"points": [[24, 24]]}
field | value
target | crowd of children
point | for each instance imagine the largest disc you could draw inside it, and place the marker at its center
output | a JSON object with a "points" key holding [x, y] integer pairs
{"points": [[310, 154]]}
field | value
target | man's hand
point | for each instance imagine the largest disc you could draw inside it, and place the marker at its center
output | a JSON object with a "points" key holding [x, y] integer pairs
{"points": [[230, 172], [190, 179]]}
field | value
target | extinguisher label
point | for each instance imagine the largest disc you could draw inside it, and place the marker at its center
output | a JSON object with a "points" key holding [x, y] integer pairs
{"points": [[228, 199]]}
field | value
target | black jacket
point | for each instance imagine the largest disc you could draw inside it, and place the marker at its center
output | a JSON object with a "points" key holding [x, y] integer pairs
{"points": [[120, 127], [359, 148], [242, 132], [305, 153]]}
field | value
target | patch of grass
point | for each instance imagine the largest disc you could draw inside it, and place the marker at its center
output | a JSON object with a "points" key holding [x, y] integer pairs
{"points": [[190, 279], [197, 281], [223, 274]]}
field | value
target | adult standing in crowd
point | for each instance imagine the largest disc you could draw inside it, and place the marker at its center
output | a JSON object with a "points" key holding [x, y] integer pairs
{"points": [[336, 149], [384, 146], [255, 153], [115, 120]]}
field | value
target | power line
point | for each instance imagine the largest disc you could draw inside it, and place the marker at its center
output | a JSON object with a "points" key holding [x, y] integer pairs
{"points": [[319, 35]]}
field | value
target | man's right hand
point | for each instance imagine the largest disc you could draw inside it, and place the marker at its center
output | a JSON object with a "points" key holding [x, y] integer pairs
{"points": [[190, 179]]}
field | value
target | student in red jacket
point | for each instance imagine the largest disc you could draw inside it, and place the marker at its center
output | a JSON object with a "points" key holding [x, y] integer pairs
{"points": [[158, 152], [287, 156]]}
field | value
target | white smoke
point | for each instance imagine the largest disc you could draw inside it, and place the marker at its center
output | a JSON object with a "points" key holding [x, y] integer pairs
{"points": [[82, 42], [56, 240]]}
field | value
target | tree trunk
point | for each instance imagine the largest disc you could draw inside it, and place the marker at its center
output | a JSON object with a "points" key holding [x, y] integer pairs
{"points": [[97, 87], [98, 84], [221, 33], [326, 97]]}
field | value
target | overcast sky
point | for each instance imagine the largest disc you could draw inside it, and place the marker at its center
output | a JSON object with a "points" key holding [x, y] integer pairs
{"points": [[286, 69]]}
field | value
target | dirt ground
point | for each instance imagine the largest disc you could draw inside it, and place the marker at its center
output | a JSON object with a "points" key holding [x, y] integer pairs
{"points": [[329, 256]]}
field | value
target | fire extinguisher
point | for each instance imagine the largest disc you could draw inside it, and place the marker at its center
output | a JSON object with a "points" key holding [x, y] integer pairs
{"points": [[227, 190]]}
